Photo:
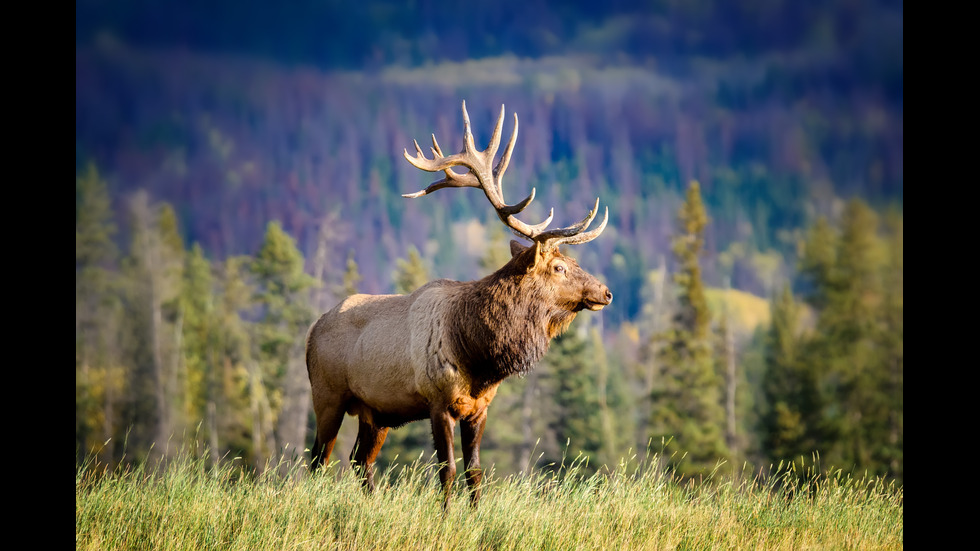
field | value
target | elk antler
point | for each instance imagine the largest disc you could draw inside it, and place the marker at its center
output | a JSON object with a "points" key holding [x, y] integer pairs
{"points": [[480, 175]]}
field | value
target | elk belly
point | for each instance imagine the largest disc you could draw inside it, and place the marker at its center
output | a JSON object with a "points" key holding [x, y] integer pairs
{"points": [[392, 418], [380, 373], [387, 395], [384, 380]]}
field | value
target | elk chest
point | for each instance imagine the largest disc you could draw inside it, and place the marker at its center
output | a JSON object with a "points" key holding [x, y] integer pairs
{"points": [[472, 405]]}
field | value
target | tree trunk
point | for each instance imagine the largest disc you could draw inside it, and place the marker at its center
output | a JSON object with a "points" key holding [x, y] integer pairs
{"points": [[212, 408], [605, 416], [647, 404], [296, 407], [108, 419], [212, 414], [156, 327], [731, 437], [255, 382]]}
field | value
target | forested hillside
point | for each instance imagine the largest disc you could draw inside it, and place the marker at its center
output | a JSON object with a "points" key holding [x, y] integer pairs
{"points": [[231, 187]]}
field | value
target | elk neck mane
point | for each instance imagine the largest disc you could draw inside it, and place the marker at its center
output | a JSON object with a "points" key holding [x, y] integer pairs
{"points": [[504, 323]]}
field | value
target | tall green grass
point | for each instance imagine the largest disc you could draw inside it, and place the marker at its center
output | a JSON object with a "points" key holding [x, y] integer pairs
{"points": [[188, 504]]}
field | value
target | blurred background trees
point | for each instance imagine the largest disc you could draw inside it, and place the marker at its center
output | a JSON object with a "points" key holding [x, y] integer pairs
{"points": [[238, 172]]}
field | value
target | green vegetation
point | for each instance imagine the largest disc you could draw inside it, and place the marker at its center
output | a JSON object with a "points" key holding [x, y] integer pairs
{"points": [[687, 391], [189, 505], [214, 350]]}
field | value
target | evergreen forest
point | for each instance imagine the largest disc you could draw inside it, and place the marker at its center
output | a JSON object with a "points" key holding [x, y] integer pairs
{"points": [[239, 171]]}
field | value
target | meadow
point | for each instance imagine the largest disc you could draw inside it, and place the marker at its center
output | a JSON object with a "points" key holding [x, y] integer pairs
{"points": [[192, 504]]}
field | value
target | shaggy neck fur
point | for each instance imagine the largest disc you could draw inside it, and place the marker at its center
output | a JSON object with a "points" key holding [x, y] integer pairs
{"points": [[506, 324]]}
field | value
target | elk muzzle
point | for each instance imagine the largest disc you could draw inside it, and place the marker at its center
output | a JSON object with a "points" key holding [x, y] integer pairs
{"points": [[597, 297]]}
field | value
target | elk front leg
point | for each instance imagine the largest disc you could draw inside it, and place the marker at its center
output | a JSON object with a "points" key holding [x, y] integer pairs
{"points": [[472, 433], [443, 426]]}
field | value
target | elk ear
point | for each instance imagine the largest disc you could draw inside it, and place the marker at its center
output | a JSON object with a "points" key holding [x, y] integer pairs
{"points": [[516, 248], [538, 256]]}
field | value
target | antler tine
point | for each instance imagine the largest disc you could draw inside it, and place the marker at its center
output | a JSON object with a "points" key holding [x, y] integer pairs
{"points": [[574, 228], [498, 171], [439, 162], [578, 237], [519, 206], [589, 235], [528, 231], [464, 179], [468, 146], [480, 173], [491, 150], [479, 161], [436, 150], [501, 167], [451, 180]]}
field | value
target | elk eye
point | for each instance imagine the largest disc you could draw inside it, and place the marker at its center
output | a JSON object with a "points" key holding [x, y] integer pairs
{"points": [[560, 269]]}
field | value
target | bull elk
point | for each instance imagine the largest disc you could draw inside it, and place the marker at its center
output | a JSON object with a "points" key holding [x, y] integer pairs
{"points": [[440, 352]]}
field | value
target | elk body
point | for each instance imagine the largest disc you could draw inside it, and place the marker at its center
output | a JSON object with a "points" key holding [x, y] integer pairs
{"points": [[440, 352]]}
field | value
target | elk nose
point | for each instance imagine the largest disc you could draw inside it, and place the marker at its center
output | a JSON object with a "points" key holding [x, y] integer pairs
{"points": [[608, 296]]}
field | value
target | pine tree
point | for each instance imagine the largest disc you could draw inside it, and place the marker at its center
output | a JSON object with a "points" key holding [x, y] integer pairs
{"points": [[655, 319], [234, 408], [692, 314], [792, 417], [199, 348], [352, 277], [818, 262], [688, 416], [856, 347], [497, 252], [326, 273], [410, 273], [851, 326], [574, 420], [153, 272], [893, 355], [728, 371], [94, 226], [98, 376], [282, 290], [614, 406]]}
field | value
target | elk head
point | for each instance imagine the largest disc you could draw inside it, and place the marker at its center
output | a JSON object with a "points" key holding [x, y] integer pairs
{"points": [[570, 287]]}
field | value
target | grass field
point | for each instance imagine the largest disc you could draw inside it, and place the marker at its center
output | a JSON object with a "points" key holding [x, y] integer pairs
{"points": [[189, 505]]}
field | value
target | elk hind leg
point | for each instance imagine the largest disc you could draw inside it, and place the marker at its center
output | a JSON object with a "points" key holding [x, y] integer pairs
{"points": [[329, 416], [369, 441]]}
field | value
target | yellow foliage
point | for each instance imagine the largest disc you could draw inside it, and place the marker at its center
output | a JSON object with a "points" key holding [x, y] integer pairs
{"points": [[631, 332], [746, 311]]}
